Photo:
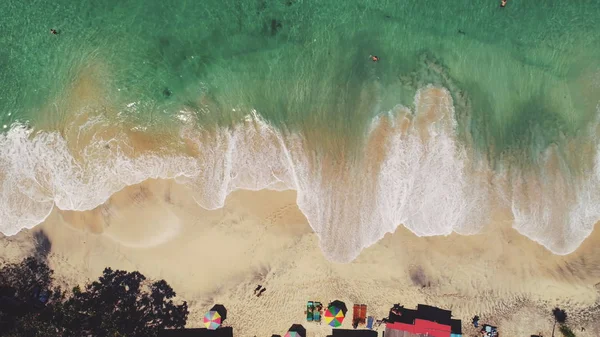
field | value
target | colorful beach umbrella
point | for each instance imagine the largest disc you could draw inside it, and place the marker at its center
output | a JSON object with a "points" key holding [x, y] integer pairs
{"points": [[212, 320], [334, 316], [296, 330]]}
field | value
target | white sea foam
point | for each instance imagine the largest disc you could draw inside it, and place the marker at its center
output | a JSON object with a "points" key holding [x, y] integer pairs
{"points": [[554, 210], [424, 182]]}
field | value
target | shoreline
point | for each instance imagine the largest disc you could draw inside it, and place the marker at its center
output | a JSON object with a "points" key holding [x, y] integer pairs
{"points": [[261, 237], [411, 161]]}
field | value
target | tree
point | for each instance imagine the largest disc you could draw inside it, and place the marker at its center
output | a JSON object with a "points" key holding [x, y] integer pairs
{"points": [[566, 331], [118, 304], [560, 316], [122, 304], [27, 298]]}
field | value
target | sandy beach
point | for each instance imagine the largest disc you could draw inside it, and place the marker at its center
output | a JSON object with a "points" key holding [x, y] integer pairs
{"points": [[220, 256]]}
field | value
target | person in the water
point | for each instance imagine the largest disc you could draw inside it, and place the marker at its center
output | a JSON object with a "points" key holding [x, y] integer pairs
{"points": [[374, 58], [503, 3], [53, 31]]}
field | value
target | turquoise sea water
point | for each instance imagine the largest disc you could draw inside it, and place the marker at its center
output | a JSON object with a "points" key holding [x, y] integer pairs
{"points": [[522, 78]]}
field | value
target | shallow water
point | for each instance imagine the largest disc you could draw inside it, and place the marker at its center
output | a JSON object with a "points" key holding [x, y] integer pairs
{"points": [[282, 94]]}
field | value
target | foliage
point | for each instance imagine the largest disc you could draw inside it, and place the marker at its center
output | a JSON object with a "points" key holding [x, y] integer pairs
{"points": [[23, 277], [560, 316], [27, 298], [119, 303], [566, 331]]}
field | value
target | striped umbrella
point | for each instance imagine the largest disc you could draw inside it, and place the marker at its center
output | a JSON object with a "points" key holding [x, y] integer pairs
{"points": [[212, 320], [334, 316]]}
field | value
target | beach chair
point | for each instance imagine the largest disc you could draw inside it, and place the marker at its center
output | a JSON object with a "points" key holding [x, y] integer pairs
{"points": [[355, 314], [310, 308], [317, 313], [370, 320], [362, 318], [317, 316]]}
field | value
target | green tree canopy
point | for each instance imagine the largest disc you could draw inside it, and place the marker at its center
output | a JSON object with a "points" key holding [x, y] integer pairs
{"points": [[566, 331], [28, 298], [119, 303]]}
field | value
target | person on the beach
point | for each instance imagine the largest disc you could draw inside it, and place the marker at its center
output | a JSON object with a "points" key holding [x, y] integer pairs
{"points": [[374, 58], [257, 289], [261, 291], [503, 3], [53, 31]]}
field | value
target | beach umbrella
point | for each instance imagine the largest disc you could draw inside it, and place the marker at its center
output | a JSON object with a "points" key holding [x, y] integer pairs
{"points": [[212, 320], [339, 304], [334, 316], [296, 330], [220, 308]]}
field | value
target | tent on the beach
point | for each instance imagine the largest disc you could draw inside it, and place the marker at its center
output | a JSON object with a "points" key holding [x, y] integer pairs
{"points": [[426, 320]]}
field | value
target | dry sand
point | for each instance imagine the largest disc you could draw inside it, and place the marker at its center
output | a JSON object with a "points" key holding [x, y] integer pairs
{"points": [[262, 237]]}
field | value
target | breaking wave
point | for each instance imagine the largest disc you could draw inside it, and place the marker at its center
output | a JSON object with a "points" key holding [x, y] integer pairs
{"points": [[412, 170]]}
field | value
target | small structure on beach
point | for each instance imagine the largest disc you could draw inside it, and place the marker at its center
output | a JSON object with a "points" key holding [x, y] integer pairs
{"points": [[352, 333], [425, 321], [221, 332]]}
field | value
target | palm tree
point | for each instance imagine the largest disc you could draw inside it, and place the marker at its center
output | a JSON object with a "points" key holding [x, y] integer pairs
{"points": [[560, 316]]}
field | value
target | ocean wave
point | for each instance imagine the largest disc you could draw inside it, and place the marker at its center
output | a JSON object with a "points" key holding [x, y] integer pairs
{"points": [[412, 171]]}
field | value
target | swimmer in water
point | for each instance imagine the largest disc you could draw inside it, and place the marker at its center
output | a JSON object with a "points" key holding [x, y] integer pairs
{"points": [[374, 58], [503, 3], [53, 31]]}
